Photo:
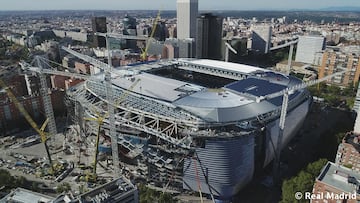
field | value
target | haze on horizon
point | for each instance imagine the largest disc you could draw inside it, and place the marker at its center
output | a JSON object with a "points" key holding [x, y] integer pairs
{"points": [[171, 4]]}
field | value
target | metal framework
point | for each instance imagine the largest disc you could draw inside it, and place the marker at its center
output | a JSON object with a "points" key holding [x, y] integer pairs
{"points": [[187, 65], [145, 115], [49, 113]]}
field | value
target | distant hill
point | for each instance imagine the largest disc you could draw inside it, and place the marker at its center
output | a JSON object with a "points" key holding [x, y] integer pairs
{"points": [[347, 8]]}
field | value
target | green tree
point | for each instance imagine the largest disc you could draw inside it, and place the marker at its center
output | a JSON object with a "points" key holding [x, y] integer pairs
{"points": [[20, 181], [302, 182], [148, 195], [6, 179], [65, 187]]}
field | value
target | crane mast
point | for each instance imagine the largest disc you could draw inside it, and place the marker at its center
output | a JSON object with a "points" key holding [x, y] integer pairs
{"points": [[111, 112], [49, 113], [144, 53], [32, 123]]}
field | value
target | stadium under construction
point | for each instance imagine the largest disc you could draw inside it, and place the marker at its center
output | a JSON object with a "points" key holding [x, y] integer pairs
{"points": [[191, 124]]}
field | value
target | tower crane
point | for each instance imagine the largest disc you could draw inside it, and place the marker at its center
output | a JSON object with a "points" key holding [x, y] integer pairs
{"points": [[32, 123], [291, 44], [100, 120], [285, 93], [104, 67], [47, 101], [110, 97], [227, 48], [144, 53]]}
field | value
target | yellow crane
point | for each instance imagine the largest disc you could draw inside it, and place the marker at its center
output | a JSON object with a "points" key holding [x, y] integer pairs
{"points": [[40, 131], [144, 52], [92, 177]]}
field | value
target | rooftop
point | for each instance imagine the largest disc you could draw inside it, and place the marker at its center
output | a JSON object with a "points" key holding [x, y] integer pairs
{"points": [[157, 87], [339, 177], [20, 195], [109, 192], [246, 69], [353, 139]]}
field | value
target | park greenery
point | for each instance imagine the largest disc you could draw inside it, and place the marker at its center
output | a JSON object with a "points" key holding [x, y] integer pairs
{"points": [[148, 195], [9, 182], [11, 51], [302, 182], [334, 95], [64, 187]]}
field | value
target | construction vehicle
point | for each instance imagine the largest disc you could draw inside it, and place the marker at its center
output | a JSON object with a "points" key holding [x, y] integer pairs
{"points": [[40, 131]]}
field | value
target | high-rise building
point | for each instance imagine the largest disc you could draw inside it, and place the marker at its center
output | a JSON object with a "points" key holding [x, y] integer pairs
{"points": [[348, 154], [335, 61], [99, 25], [130, 29], [187, 11], [161, 32], [261, 38], [307, 48], [208, 37]]}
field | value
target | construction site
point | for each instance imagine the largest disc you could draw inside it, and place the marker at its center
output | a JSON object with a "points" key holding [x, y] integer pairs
{"points": [[168, 123], [177, 125]]}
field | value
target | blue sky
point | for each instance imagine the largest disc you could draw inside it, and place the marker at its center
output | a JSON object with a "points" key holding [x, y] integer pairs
{"points": [[171, 4]]}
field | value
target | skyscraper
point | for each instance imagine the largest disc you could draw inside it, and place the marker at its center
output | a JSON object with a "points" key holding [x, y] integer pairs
{"points": [[99, 25], [187, 11], [261, 38], [208, 37], [307, 48], [130, 29]]}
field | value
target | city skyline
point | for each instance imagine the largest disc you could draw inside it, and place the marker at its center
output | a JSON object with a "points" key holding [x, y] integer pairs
{"points": [[171, 5]]}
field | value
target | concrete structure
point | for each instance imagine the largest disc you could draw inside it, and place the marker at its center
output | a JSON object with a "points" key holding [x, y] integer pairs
{"points": [[261, 38], [20, 195], [68, 61], [120, 190], [81, 36], [186, 12], [297, 67], [99, 25], [178, 134], [82, 68], [161, 32], [348, 153], [10, 115], [307, 47], [209, 36], [130, 29], [170, 51], [356, 108], [334, 61], [334, 182]]}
